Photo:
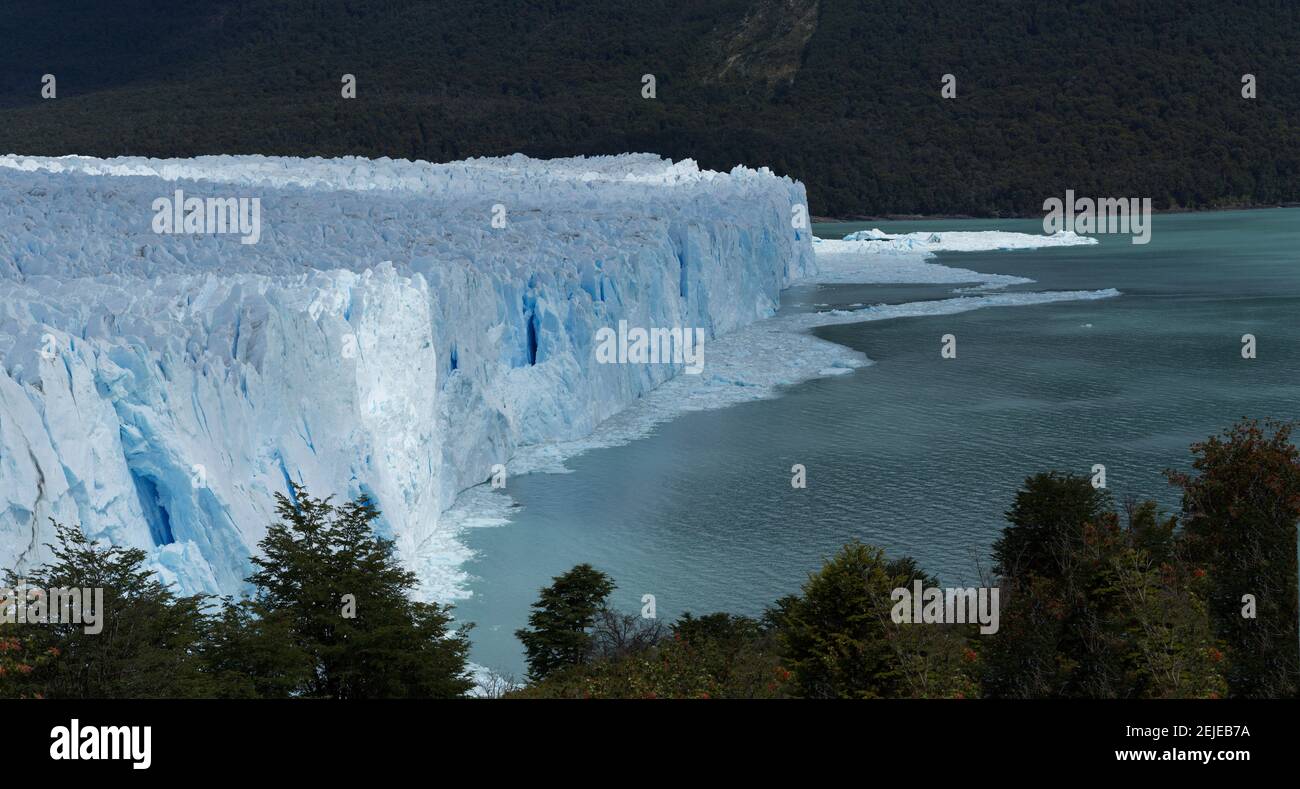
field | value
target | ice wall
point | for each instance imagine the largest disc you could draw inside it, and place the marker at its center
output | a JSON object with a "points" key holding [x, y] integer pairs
{"points": [[382, 337]]}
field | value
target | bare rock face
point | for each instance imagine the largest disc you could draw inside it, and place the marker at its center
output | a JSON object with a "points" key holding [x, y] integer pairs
{"points": [[766, 49]]}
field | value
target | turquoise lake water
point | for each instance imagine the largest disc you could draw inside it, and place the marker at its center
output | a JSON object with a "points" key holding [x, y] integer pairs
{"points": [[917, 454]]}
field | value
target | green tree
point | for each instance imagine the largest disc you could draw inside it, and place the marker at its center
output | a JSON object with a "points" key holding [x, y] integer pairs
{"points": [[714, 656], [150, 639], [1044, 648], [839, 639], [1240, 508], [251, 652], [1095, 608], [740, 654], [558, 633], [1159, 626], [343, 598], [1047, 523]]}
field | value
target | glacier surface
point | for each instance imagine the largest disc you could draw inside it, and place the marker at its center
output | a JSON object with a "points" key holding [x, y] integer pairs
{"points": [[383, 338]]}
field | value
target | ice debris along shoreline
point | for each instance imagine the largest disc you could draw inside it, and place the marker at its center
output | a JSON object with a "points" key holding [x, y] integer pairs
{"points": [[908, 258], [383, 337]]}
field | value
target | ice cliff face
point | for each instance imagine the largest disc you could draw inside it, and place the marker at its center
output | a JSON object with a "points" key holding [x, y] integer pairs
{"points": [[383, 336]]}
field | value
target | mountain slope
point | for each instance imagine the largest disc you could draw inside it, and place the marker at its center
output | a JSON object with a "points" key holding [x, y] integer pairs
{"points": [[1107, 98]]}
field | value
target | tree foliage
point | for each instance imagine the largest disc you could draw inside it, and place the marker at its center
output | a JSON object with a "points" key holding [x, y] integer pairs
{"points": [[149, 641], [339, 592], [1095, 607], [558, 633], [297, 637], [1241, 504], [1108, 98]]}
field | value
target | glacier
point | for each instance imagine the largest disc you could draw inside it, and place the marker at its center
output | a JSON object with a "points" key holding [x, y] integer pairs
{"points": [[385, 336]]}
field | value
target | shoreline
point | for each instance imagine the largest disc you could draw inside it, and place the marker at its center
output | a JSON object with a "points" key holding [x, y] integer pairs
{"points": [[796, 355]]}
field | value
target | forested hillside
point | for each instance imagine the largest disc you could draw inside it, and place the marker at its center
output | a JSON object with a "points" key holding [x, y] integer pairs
{"points": [[1125, 98]]}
